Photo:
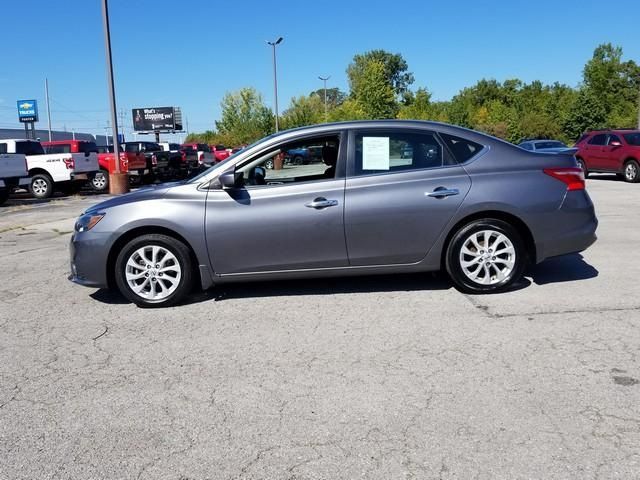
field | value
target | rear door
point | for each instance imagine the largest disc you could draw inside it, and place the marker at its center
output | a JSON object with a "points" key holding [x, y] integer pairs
{"points": [[594, 156], [402, 189]]}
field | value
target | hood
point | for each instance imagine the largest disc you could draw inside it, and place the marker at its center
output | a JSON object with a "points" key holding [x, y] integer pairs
{"points": [[152, 192]]}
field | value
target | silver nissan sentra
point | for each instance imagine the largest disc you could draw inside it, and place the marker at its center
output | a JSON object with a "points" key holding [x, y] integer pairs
{"points": [[360, 198]]}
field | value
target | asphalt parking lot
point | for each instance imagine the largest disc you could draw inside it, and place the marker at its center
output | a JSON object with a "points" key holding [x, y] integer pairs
{"points": [[375, 377]]}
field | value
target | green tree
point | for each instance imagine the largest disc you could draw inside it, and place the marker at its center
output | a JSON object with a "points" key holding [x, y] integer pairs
{"points": [[335, 96], [587, 112], [373, 92], [394, 68], [245, 118], [417, 106], [303, 111]]}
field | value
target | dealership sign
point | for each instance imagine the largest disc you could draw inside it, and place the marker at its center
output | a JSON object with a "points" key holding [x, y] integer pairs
{"points": [[156, 119], [27, 111]]}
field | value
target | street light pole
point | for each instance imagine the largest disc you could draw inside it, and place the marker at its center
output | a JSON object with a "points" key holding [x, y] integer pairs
{"points": [[46, 91], [118, 183], [275, 78], [324, 79]]}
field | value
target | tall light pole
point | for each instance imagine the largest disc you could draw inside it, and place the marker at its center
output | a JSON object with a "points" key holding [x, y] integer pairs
{"points": [[275, 77], [324, 79], [118, 182], [46, 91]]}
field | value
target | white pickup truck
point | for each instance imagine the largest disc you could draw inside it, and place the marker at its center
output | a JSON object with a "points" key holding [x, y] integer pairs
{"points": [[66, 172], [13, 173]]}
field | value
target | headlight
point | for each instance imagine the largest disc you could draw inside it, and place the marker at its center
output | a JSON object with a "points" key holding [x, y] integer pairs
{"points": [[88, 221]]}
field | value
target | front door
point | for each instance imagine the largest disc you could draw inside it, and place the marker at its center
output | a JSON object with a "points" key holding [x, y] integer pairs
{"points": [[283, 218], [402, 190]]}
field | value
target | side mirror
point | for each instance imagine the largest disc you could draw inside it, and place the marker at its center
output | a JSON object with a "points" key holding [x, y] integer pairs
{"points": [[231, 180], [615, 143]]}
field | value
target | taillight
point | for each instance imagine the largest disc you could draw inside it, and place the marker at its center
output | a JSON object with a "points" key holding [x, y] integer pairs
{"points": [[69, 163], [573, 177], [154, 159], [201, 158], [183, 156]]}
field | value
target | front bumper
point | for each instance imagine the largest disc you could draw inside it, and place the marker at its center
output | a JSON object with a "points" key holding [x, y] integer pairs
{"points": [[88, 255]]}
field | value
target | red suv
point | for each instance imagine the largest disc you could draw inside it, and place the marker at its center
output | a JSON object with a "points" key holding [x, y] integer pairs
{"points": [[610, 151]]}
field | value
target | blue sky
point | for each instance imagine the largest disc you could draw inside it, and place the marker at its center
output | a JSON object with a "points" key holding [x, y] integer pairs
{"points": [[190, 53]]}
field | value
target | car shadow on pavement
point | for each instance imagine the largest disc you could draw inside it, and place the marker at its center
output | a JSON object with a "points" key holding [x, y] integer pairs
{"points": [[288, 288], [567, 268]]}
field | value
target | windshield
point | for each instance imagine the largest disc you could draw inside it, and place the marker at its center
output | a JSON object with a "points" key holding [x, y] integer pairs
{"points": [[227, 161], [632, 138]]}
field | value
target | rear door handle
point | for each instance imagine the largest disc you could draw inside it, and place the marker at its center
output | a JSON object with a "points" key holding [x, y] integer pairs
{"points": [[442, 192], [321, 202]]}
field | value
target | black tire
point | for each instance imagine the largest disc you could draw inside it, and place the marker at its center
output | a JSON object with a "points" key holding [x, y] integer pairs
{"points": [[100, 181], [4, 195], [151, 276], [494, 266], [41, 185], [298, 160], [583, 166], [136, 180], [631, 171]]}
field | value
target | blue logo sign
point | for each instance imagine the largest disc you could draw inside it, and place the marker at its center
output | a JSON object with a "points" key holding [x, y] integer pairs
{"points": [[27, 111]]}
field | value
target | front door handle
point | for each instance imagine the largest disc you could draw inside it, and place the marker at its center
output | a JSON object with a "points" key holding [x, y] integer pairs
{"points": [[321, 202], [442, 192]]}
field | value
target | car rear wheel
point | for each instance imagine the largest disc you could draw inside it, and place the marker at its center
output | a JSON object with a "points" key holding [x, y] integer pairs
{"points": [[268, 164], [582, 165], [100, 181], [485, 256], [631, 171], [41, 185], [154, 271]]}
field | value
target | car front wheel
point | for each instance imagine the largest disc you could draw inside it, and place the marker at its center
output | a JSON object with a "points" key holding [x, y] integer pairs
{"points": [[154, 271], [485, 256]]}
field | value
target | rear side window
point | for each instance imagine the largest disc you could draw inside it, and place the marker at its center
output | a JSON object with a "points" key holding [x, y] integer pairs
{"points": [[633, 138], [29, 148], [131, 147], [3, 148], [461, 148], [203, 148], [600, 139]]}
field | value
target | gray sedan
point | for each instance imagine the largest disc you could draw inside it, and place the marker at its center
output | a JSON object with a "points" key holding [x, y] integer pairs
{"points": [[479, 208]]}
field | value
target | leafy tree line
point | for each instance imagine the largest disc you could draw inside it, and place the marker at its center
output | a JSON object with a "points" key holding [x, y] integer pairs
{"points": [[380, 87]]}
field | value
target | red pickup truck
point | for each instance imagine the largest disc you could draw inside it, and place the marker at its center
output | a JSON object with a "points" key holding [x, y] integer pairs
{"points": [[133, 163]]}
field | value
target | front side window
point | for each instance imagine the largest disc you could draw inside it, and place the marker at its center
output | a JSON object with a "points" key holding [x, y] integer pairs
{"points": [[3, 148], [599, 139], [131, 148], [295, 162], [526, 146], [381, 152], [203, 148], [613, 138]]}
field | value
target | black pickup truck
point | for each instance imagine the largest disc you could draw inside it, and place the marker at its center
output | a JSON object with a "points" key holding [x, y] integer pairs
{"points": [[158, 161]]}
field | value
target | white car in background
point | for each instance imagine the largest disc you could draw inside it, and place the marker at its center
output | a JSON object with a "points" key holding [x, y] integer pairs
{"points": [[66, 172]]}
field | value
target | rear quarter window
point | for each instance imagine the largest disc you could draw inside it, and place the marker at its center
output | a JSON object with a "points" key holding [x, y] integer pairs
{"points": [[461, 148]]}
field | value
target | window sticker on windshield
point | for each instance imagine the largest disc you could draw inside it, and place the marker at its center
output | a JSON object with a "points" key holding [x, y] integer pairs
{"points": [[375, 153]]}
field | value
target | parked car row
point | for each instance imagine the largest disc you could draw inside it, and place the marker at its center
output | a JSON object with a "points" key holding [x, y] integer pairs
{"points": [[67, 165], [599, 151]]}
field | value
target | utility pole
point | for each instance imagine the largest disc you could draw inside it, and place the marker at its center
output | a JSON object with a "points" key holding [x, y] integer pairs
{"points": [[275, 78], [46, 90], [118, 182], [324, 79]]}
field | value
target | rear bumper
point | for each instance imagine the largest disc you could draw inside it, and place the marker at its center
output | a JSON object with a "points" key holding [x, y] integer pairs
{"points": [[573, 228]]}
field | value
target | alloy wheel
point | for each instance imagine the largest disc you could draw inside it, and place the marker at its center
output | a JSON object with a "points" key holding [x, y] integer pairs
{"points": [[40, 186], [153, 272], [631, 171], [487, 257]]}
